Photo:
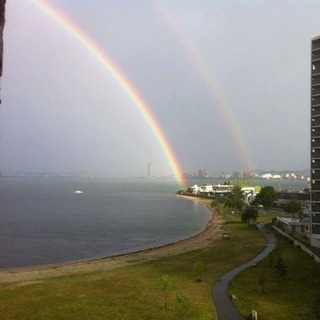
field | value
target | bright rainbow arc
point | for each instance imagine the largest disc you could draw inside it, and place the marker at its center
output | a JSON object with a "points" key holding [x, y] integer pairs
{"points": [[215, 92], [75, 31]]}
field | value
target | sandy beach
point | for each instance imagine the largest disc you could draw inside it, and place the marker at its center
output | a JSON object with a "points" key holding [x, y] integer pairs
{"points": [[199, 240]]}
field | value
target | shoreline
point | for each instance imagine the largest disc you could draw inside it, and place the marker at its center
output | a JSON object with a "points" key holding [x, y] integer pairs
{"points": [[199, 240]]}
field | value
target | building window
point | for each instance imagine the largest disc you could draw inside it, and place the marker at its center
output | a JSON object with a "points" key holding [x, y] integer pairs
{"points": [[316, 229]]}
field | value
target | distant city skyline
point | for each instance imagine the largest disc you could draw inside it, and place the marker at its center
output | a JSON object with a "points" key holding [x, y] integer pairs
{"points": [[200, 174]]}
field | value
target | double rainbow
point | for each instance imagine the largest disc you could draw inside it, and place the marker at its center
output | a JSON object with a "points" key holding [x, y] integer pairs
{"points": [[218, 98], [110, 66]]}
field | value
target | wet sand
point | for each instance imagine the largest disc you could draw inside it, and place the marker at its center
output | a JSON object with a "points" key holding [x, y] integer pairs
{"points": [[199, 240]]}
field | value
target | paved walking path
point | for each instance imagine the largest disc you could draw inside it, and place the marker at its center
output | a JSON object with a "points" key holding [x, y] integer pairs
{"points": [[226, 310]]}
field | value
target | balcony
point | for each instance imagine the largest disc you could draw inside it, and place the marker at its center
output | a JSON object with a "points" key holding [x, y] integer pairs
{"points": [[315, 143], [315, 132], [315, 100], [315, 164], [315, 175], [316, 44], [315, 90], [315, 111], [315, 55], [315, 121], [315, 153], [315, 67], [315, 196], [316, 229], [315, 218], [315, 79], [315, 207], [315, 186]]}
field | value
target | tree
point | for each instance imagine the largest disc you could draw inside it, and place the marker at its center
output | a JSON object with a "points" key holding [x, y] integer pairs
{"points": [[262, 280], [165, 284], [293, 206], [281, 268], [215, 203], [249, 214], [199, 267], [235, 200], [183, 306], [266, 197]]}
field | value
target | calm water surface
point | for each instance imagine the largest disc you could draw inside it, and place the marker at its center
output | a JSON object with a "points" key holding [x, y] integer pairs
{"points": [[43, 220]]}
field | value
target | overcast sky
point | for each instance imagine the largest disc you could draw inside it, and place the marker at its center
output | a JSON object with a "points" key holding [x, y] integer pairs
{"points": [[227, 81]]}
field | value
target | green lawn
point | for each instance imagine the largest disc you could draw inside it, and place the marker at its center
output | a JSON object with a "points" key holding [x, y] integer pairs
{"points": [[291, 296]]}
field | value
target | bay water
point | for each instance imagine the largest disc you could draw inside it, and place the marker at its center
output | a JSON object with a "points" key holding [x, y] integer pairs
{"points": [[46, 220], [59, 219]]}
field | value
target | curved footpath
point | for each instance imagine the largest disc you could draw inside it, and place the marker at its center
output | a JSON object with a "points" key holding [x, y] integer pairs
{"points": [[225, 309]]}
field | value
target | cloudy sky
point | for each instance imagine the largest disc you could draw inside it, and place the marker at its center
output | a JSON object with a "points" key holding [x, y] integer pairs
{"points": [[227, 82]]}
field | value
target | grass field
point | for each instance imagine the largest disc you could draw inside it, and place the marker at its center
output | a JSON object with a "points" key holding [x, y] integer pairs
{"points": [[290, 296], [133, 292]]}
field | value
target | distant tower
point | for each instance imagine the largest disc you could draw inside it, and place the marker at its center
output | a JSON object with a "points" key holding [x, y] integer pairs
{"points": [[315, 142], [149, 170], [202, 173]]}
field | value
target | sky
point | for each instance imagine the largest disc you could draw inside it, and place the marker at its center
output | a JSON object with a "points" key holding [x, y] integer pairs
{"points": [[227, 82]]}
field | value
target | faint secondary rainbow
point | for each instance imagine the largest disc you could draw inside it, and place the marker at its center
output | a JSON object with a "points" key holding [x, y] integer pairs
{"points": [[215, 92], [101, 55]]}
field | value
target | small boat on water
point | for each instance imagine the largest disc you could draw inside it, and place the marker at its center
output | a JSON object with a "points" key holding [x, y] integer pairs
{"points": [[78, 192]]}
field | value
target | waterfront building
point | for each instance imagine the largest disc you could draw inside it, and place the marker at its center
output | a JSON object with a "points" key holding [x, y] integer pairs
{"points": [[293, 225], [249, 194], [217, 190], [315, 142]]}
